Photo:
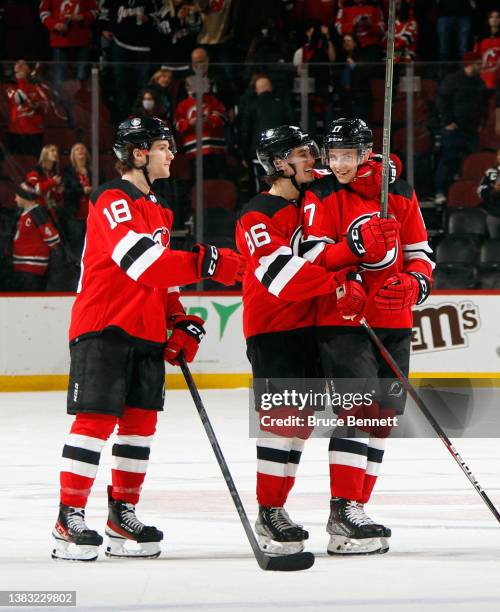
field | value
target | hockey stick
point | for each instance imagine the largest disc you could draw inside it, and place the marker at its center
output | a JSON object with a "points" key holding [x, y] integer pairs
{"points": [[386, 138], [428, 415], [283, 563]]}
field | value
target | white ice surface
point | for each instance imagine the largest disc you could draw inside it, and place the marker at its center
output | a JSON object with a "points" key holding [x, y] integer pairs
{"points": [[445, 549]]}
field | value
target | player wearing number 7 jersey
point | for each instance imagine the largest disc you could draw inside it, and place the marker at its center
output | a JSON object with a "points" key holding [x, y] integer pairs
{"points": [[278, 318], [128, 298]]}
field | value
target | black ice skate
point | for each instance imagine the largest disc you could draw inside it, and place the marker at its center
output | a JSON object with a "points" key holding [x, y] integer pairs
{"points": [[386, 531], [277, 533], [351, 531], [74, 540], [124, 527]]}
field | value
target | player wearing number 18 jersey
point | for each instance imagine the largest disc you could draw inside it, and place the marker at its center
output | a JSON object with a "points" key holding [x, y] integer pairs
{"points": [[128, 298], [278, 318]]}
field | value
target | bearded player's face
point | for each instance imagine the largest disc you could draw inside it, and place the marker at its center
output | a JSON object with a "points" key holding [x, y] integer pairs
{"points": [[160, 158]]}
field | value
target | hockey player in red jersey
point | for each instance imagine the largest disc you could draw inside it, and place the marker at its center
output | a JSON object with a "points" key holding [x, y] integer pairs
{"points": [[278, 316], [342, 227], [128, 297], [33, 242]]}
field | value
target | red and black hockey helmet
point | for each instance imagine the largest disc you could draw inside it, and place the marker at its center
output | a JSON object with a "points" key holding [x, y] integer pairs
{"points": [[347, 134], [278, 143], [141, 132]]}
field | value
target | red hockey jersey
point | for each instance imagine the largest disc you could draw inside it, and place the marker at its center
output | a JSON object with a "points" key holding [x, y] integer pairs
{"points": [[49, 193], [330, 210], [366, 21], [489, 50], [77, 33], [28, 105], [214, 119], [127, 265], [35, 237], [278, 285]]}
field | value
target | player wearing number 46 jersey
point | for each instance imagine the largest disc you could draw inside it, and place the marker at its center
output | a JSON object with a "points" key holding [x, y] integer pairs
{"points": [[278, 317], [128, 299], [342, 227]]}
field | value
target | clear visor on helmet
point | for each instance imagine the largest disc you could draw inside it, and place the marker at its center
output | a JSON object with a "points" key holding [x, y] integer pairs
{"points": [[304, 153], [171, 143], [356, 155]]}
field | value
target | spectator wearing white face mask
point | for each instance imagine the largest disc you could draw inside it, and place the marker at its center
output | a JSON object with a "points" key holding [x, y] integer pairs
{"points": [[148, 105]]}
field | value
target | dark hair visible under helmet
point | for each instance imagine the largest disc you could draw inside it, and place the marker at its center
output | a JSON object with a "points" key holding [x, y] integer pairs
{"points": [[347, 134], [140, 132], [278, 143]]}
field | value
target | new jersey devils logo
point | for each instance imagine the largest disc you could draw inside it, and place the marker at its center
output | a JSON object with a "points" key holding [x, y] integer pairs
{"points": [[390, 256], [162, 236]]}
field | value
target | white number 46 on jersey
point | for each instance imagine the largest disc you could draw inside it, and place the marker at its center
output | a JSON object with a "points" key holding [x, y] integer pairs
{"points": [[120, 212]]}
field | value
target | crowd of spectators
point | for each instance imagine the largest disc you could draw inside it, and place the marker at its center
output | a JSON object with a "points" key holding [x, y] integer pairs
{"points": [[249, 58]]}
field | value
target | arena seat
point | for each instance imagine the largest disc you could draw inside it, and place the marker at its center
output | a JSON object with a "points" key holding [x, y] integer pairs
{"points": [[476, 164], [456, 257], [217, 193], [467, 222], [463, 193], [489, 265]]}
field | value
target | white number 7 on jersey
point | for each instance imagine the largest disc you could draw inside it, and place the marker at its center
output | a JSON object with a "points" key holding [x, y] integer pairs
{"points": [[312, 208], [120, 212]]}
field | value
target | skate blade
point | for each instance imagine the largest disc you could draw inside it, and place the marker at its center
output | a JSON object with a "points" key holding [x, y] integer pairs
{"points": [[341, 545], [122, 548], [273, 548], [68, 551]]}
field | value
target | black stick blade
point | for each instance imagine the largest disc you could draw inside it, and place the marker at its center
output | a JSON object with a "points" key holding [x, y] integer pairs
{"points": [[286, 563]]}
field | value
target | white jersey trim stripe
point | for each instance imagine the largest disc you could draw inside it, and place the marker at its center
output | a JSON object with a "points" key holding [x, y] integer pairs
{"points": [[286, 275], [142, 263], [125, 464], [80, 441], [144, 441], [350, 459], [271, 468], [89, 470]]}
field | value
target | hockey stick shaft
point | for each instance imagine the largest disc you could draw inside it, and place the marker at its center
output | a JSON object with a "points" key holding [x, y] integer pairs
{"points": [[220, 457], [428, 415], [386, 138]]}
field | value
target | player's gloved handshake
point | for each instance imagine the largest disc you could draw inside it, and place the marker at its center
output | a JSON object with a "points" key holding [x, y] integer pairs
{"points": [[403, 290], [222, 265], [371, 240], [187, 333], [351, 297]]}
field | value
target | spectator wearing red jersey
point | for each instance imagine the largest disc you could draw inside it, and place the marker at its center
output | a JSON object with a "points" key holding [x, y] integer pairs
{"points": [[45, 178], [33, 242], [488, 47], [405, 33], [214, 119], [28, 105], [70, 25], [365, 19], [77, 181]]}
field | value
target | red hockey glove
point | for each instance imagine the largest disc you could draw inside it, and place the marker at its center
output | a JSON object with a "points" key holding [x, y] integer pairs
{"points": [[351, 297], [403, 290], [371, 240], [188, 332], [222, 265], [368, 180]]}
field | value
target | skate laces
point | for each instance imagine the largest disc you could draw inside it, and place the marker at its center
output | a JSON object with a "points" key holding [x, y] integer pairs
{"points": [[280, 519], [356, 514], [76, 520], [369, 521], [128, 516]]}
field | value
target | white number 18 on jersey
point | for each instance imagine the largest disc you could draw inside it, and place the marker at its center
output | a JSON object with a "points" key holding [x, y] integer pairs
{"points": [[120, 212]]}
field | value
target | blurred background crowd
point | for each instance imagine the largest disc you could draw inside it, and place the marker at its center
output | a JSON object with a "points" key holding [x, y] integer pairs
{"points": [[73, 69]]}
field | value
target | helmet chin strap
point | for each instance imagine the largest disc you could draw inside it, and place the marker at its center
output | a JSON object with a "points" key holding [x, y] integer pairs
{"points": [[292, 178]]}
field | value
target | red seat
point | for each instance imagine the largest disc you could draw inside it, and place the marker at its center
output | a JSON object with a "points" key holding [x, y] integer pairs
{"points": [[64, 138], [217, 193], [7, 192], [422, 140], [488, 139], [476, 164], [107, 163], [463, 194], [429, 89], [15, 167], [420, 110], [181, 167]]}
